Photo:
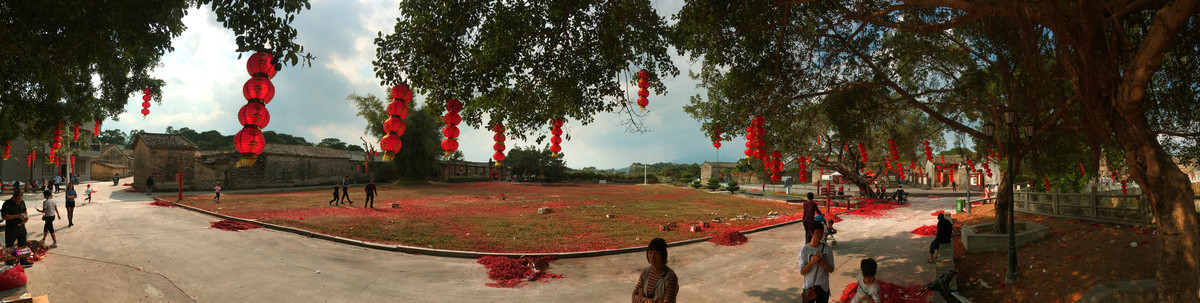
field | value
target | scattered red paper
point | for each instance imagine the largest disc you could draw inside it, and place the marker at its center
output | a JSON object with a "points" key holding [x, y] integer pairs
{"points": [[729, 238], [232, 225], [889, 293], [127, 184], [934, 197], [161, 203], [927, 230], [936, 213], [37, 253], [873, 210], [510, 272]]}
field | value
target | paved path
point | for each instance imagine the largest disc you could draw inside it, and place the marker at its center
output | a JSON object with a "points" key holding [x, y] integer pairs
{"points": [[122, 250]]}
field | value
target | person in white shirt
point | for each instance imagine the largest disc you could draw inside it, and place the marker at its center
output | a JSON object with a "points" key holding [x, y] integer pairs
{"points": [[816, 263], [217, 190], [51, 210], [868, 288]]}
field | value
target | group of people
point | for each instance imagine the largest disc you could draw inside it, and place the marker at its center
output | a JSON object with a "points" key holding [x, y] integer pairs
{"points": [[341, 191], [16, 216]]}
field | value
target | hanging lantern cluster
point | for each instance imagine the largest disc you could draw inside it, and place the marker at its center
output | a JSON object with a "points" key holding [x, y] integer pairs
{"points": [[72, 162], [717, 138], [254, 116], [1047, 182], [900, 170], [643, 88], [7, 149], [893, 150], [987, 169], [75, 132], [499, 146], [146, 102], [1082, 173], [556, 137], [802, 165], [862, 152], [29, 159], [1123, 190], [96, 130], [394, 126], [450, 131], [756, 141], [58, 133], [776, 166], [928, 152], [943, 159], [938, 175]]}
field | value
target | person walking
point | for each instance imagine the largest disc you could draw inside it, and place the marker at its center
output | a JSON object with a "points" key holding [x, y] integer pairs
{"points": [[217, 192], [810, 211], [88, 191], [15, 216], [49, 210], [58, 180], [149, 185], [71, 195], [816, 263], [658, 282], [336, 198], [346, 190], [370, 188]]}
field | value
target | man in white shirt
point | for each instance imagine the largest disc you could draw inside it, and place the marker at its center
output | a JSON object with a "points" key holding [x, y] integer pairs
{"points": [[816, 263]]}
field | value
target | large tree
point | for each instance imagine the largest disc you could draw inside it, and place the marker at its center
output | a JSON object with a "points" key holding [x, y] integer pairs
{"points": [[525, 63], [80, 61]]}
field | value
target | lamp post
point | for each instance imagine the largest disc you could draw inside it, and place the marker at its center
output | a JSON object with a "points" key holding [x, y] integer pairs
{"points": [[1013, 137]]}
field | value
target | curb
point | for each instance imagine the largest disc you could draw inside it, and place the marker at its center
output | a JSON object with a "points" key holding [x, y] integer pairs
{"points": [[455, 253]]}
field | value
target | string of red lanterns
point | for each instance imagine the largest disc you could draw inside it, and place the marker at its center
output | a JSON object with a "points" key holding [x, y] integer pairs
{"points": [[394, 126], [1047, 182], [928, 151], [802, 165], [75, 132], [58, 132], [556, 137], [146, 102], [717, 138], [7, 149], [499, 146], [258, 91], [643, 88], [1082, 173], [450, 131], [760, 140], [776, 166], [751, 139], [96, 130], [862, 151]]}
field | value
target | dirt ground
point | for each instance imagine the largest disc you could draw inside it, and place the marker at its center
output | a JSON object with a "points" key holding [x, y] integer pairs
{"points": [[1076, 256]]}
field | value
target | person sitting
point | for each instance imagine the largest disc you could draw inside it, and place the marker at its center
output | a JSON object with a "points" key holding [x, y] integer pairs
{"points": [[945, 230], [658, 282], [868, 288]]}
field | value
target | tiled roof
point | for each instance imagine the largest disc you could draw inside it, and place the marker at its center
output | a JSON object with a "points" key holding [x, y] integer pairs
{"points": [[165, 141], [721, 164], [111, 164], [303, 151]]}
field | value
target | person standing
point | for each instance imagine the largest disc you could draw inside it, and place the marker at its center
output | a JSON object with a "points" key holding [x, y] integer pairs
{"points": [[346, 190], [15, 216], [71, 195], [658, 283], [50, 211], [58, 180], [816, 263], [810, 211], [370, 188], [217, 192], [336, 198], [116, 178]]}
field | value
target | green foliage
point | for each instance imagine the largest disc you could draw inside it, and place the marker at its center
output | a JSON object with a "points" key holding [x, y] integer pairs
{"points": [[113, 136], [713, 183], [696, 184], [525, 63], [334, 143], [537, 163], [80, 61], [732, 187]]}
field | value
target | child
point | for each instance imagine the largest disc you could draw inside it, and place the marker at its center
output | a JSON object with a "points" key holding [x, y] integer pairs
{"points": [[868, 287], [89, 193], [217, 189], [51, 210]]}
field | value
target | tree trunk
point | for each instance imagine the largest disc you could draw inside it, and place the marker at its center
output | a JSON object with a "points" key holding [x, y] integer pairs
{"points": [[1004, 193]]}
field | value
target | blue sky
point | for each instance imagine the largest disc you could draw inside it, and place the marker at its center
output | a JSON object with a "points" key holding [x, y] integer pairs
{"points": [[204, 78]]}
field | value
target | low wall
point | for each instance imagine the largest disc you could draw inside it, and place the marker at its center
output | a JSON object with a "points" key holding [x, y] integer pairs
{"points": [[1136, 291], [976, 239]]}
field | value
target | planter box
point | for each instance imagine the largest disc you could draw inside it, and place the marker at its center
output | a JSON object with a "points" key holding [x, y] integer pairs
{"points": [[976, 240]]}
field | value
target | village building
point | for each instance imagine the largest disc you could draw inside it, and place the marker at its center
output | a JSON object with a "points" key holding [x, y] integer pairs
{"points": [[85, 150]]}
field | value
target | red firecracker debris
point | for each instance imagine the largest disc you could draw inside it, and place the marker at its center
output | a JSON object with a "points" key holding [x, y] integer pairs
{"points": [[510, 272], [729, 238], [934, 197], [161, 203], [890, 293], [37, 253], [232, 225], [936, 213], [873, 210], [927, 230]]}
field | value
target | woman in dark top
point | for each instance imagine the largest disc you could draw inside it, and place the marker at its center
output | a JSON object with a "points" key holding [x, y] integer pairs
{"points": [[657, 283], [945, 230], [71, 195]]}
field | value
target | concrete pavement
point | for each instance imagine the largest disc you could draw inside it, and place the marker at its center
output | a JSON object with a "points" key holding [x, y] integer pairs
{"points": [[124, 250]]}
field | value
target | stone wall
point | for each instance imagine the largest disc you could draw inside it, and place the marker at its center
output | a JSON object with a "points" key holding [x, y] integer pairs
{"points": [[271, 170], [163, 164]]}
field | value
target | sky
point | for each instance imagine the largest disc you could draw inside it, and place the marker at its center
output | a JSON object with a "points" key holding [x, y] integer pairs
{"points": [[204, 77]]}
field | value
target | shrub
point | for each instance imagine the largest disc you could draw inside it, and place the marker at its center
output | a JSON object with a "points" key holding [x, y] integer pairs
{"points": [[713, 183], [732, 187], [696, 184]]}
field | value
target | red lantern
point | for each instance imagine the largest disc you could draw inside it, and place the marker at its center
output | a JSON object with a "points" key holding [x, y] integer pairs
{"points": [[390, 142], [249, 142], [75, 131], [259, 89], [145, 111], [260, 64], [401, 92], [394, 125], [1082, 173], [450, 131], [449, 144], [398, 108], [96, 131], [254, 114], [499, 146], [7, 149], [717, 145], [1047, 182], [454, 106], [555, 149], [499, 156]]}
